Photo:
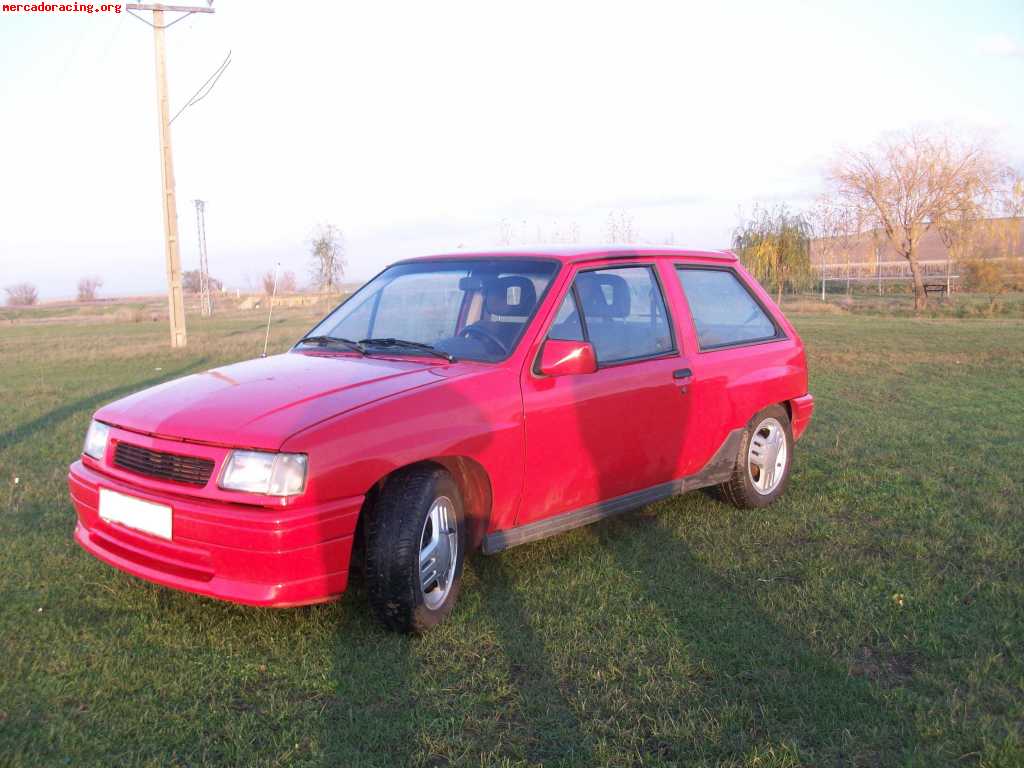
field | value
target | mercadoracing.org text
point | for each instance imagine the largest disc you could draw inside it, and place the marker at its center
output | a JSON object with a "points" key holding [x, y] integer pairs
{"points": [[62, 8]]}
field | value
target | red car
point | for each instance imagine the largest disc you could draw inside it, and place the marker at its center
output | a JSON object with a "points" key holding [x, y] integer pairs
{"points": [[472, 400]]}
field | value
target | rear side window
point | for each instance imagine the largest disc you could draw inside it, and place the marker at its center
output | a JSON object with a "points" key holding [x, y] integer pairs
{"points": [[723, 310], [623, 313]]}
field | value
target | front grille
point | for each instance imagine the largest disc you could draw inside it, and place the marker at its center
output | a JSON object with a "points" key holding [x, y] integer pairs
{"points": [[165, 466]]}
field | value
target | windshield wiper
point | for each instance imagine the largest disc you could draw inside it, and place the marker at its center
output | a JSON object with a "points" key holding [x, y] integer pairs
{"points": [[392, 342], [323, 341]]}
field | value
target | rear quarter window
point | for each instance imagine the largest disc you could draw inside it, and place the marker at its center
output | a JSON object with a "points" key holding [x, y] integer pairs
{"points": [[724, 312]]}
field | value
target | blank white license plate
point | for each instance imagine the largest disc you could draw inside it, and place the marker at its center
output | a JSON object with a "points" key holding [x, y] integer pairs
{"points": [[135, 513]]}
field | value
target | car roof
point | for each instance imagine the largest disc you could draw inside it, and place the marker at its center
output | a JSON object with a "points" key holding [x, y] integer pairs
{"points": [[569, 254]]}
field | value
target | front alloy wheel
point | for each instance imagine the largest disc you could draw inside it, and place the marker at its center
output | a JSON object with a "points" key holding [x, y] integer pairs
{"points": [[415, 547], [439, 549]]}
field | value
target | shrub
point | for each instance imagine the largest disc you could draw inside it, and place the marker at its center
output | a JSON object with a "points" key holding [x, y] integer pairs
{"points": [[88, 286], [984, 276], [22, 295]]}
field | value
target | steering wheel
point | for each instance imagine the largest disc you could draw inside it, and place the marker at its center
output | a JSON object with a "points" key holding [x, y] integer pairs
{"points": [[471, 330]]}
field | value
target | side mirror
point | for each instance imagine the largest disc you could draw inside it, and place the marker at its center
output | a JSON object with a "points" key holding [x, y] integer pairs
{"points": [[564, 358]]}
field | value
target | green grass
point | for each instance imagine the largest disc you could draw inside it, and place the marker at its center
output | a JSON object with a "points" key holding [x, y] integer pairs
{"points": [[898, 301], [874, 617]]}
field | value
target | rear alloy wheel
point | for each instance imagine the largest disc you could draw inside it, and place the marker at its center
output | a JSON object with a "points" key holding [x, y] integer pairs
{"points": [[763, 461], [415, 548]]}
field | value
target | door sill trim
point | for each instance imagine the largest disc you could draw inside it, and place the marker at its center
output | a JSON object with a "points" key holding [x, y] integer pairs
{"points": [[718, 469]]}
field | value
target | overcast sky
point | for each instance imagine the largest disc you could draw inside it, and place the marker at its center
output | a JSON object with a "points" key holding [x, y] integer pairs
{"points": [[418, 127]]}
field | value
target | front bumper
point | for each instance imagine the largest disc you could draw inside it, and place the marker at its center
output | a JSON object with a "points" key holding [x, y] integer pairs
{"points": [[248, 555]]}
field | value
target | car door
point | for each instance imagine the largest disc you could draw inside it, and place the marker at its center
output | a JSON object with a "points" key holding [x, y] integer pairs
{"points": [[596, 436], [743, 354]]}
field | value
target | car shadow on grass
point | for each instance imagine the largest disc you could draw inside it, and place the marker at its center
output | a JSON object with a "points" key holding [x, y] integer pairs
{"points": [[370, 713], [48, 420], [477, 690], [768, 690], [547, 727]]}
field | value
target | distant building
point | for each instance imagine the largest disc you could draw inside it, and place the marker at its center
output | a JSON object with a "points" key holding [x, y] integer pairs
{"points": [[994, 238]]}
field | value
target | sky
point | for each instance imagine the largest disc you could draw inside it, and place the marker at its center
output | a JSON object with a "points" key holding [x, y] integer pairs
{"points": [[419, 127]]}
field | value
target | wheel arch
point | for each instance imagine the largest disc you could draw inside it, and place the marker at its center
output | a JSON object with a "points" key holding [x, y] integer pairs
{"points": [[474, 484]]}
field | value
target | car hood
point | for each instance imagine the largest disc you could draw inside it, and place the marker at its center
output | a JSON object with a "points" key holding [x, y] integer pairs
{"points": [[260, 403]]}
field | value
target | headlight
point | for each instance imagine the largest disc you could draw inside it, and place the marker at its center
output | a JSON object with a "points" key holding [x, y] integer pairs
{"points": [[96, 440], [272, 474]]}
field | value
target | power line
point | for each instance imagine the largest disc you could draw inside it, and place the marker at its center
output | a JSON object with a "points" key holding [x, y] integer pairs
{"points": [[162, 26], [214, 77]]}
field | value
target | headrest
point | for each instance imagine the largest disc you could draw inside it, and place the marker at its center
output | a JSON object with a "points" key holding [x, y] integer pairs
{"points": [[603, 295], [512, 295]]}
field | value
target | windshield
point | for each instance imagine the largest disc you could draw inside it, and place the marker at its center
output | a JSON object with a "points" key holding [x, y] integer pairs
{"points": [[474, 309]]}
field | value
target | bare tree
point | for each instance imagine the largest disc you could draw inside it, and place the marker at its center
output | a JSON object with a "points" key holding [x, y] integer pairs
{"points": [[570, 233], [619, 227], [22, 295], [836, 229], [327, 253], [557, 233], [267, 280], [287, 283], [88, 286], [1011, 201], [504, 232], [907, 183]]}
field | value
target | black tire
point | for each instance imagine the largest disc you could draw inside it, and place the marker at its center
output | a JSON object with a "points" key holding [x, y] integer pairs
{"points": [[739, 490], [393, 538]]}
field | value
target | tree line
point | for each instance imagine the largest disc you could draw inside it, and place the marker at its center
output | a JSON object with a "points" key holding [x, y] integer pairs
{"points": [[327, 263], [898, 190]]}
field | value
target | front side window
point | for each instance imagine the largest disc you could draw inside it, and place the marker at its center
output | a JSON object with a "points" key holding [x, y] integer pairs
{"points": [[724, 313], [476, 309], [567, 325], [623, 313]]}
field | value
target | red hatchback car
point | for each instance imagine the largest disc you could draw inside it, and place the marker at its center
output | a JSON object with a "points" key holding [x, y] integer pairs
{"points": [[471, 400]]}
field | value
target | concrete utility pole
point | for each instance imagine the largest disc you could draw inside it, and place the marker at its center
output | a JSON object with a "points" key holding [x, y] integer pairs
{"points": [[175, 293], [205, 302]]}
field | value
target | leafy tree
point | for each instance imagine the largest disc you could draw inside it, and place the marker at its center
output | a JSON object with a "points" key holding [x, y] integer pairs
{"points": [[775, 245]]}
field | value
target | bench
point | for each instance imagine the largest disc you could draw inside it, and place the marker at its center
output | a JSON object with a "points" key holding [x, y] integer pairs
{"points": [[930, 288]]}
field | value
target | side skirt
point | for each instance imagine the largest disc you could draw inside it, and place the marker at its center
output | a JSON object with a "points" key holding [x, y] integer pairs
{"points": [[717, 470]]}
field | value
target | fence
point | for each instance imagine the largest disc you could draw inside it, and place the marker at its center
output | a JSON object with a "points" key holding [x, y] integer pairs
{"points": [[942, 273]]}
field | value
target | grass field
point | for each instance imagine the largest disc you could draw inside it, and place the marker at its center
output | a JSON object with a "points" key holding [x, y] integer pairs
{"points": [[874, 617]]}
